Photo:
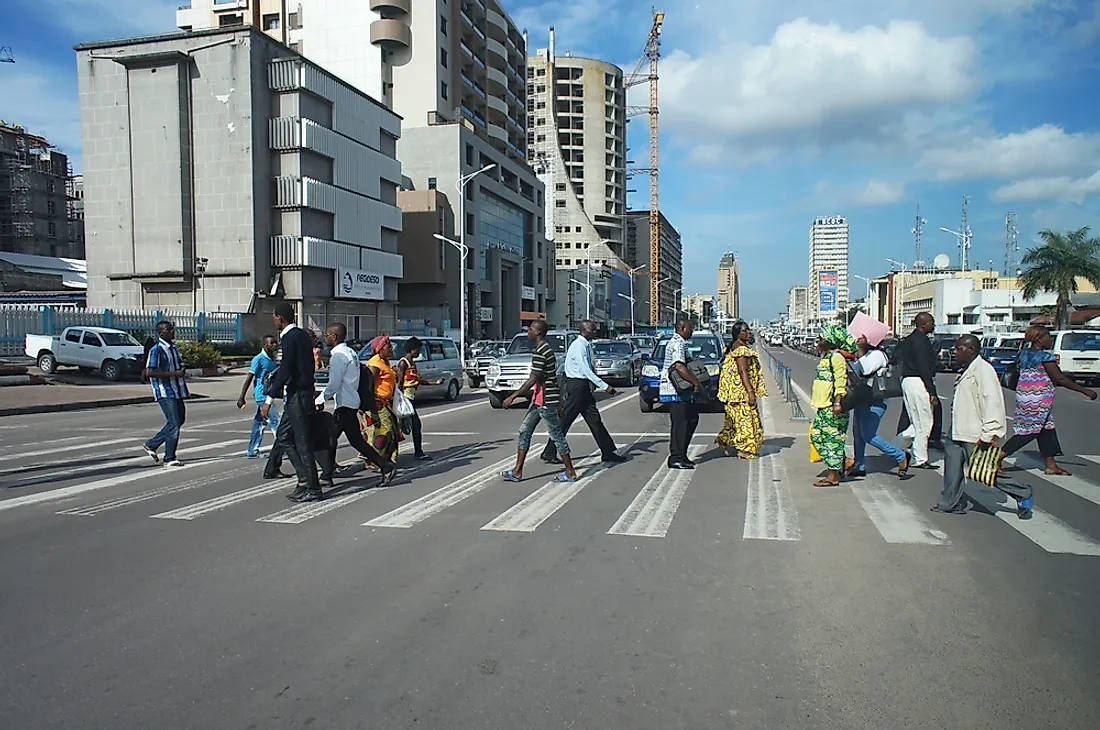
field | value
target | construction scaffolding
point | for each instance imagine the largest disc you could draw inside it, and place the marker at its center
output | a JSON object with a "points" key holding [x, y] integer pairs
{"points": [[38, 211]]}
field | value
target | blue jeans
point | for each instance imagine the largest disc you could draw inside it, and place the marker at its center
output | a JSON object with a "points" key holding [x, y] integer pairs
{"points": [[553, 425], [258, 425], [865, 431], [175, 413]]}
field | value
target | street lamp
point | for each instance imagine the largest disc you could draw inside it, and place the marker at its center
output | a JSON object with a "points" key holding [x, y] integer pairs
{"points": [[200, 269], [587, 296], [963, 238], [633, 271], [463, 249], [677, 302]]}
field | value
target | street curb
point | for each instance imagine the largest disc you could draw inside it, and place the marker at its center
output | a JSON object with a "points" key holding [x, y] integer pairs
{"points": [[81, 406]]}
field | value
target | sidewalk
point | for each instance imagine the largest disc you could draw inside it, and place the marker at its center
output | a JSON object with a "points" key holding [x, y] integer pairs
{"points": [[55, 397]]}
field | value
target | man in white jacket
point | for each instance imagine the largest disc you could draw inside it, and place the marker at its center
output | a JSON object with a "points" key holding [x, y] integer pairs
{"points": [[977, 421]]}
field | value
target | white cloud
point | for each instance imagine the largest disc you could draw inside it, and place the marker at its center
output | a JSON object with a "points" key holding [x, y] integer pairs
{"points": [[874, 192], [813, 82], [881, 192], [1037, 152], [1061, 187]]}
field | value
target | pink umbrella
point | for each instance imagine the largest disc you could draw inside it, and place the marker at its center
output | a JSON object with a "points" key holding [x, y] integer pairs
{"points": [[869, 327]]}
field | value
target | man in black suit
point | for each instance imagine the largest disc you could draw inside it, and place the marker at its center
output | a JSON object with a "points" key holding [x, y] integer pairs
{"points": [[295, 374]]}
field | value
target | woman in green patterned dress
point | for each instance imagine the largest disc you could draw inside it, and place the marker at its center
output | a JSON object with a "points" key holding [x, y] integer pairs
{"points": [[829, 430]]}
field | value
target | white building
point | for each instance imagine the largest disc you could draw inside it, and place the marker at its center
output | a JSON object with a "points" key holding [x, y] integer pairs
{"points": [[828, 271], [796, 306], [729, 285]]}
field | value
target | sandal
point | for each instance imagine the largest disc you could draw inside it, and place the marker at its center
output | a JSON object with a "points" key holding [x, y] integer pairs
{"points": [[508, 476], [826, 483], [389, 476], [1059, 472], [563, 477], [903, 468]]}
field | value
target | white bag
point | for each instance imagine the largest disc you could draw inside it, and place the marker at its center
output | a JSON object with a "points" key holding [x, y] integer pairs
{"points": [[402, 406]]}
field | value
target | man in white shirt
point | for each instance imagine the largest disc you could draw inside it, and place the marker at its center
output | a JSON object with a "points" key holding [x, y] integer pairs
{"points": [[580, 380], [343, 386]]}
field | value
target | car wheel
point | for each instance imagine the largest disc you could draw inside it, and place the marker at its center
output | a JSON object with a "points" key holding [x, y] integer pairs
{"points": [[47, 363], [495, 400], [452, 390], [110, 370], [644, 406]]}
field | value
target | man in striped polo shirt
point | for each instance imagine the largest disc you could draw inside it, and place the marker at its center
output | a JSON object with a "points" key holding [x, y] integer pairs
{"points": [[165, 372]]}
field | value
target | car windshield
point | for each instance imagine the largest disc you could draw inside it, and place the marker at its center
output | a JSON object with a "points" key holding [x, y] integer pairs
{"points": [[1081, 341], [118, 339], [612, 348], [522, 344], [1012, 342], [704, 347]]}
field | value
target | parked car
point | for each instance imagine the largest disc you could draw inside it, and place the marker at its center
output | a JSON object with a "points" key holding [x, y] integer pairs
{"points": [[114, 353], [1014, 340], [776, 340], [705, 346], [644, 343], [511, 370], [619, 361], [1078, 353], [1001, 358], [477, 367], [438, 359], [944, 348]]}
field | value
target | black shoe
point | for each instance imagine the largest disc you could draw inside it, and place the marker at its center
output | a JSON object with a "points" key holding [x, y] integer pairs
{"points": [[554, 460], [614, 458], [309, 495], [681, 465], [689, 462], [422, 456], [326, 482], [297, 493], [277, 475]]}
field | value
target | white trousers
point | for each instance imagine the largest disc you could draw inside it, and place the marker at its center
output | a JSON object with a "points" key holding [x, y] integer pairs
{"points": [[919, 408]]}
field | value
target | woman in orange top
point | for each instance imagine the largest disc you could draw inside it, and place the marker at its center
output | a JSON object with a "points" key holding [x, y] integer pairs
{"points": [[385, 434]]}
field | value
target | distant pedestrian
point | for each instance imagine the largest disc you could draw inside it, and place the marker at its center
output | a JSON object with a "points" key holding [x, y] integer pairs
{"points": [[918, 385], [682, 410], [165, 372], [829, 430], [545, 405], [295, 374], [866, 417], [262, 366], [740, 382], [1040, 376], [977, 421], [409, 377], [343, 387], [580, 380], [385, 432]]}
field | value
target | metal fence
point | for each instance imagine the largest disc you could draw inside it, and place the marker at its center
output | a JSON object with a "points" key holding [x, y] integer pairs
{"points": [[17, 321], [782, 375]]}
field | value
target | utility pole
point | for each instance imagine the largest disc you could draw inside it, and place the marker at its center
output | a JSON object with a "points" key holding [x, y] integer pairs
{"points": [[918, 226], [1012, 244]]}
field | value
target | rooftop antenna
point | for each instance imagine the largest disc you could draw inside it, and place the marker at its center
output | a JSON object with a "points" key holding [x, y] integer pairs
{"points": [[964, 242], [918, 226], [1012, 243]]}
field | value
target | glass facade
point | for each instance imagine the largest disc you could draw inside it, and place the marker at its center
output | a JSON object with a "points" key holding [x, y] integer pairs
{"points": [[503, 226]]}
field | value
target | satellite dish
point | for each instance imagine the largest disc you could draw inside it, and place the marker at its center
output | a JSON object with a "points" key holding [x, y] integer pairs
{"points": [[942, 261]]}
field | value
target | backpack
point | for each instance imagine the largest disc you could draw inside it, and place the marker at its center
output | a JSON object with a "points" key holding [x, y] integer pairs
{"points": [[366, 388]]}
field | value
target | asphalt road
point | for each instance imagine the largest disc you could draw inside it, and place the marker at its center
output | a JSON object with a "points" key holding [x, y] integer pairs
{"points": [[732, 596]]}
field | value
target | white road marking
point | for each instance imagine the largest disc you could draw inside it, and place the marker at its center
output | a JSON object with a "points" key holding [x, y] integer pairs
{"points": [[1072, 484], [770, 513], [1093, 459], [433, 503], [90, 510], [72, 491], [895, 517], [651, 512], [135, 440], [428, 414], [216, 504], [299, 513], [534, 509]]}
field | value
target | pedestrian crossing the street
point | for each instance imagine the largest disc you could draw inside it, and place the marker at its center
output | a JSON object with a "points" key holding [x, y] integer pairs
{"points": [[775, 505]]}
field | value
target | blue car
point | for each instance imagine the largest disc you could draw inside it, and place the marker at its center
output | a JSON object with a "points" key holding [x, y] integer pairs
{"points": [[1001, 358], [703, 345]]}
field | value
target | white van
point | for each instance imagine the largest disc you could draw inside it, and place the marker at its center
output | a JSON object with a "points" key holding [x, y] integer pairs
{"points": [[1011, 339], [1078, 353]]}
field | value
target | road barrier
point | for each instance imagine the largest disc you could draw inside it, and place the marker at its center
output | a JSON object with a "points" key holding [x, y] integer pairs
{"points": [[782, 375]]}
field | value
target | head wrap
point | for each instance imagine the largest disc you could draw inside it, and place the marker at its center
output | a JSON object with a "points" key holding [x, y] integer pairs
{"points": [[837, 335], [378, 344]]}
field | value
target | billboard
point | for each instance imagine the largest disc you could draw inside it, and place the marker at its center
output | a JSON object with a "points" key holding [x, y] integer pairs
{"points": [[826, 291], [358, 284]]}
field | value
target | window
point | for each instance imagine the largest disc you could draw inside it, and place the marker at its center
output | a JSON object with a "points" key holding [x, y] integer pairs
{"points": [[293, 21], [442, 25], [72, 336], [225, 20], [560, 187], [92, 340], [559, 203], [470, 223], [51, 207], [435, 350], [578, 229], [443, 89], [52, 228], [271, 21], [541, 72], [470, 192], [450, 351], [469, 154], [540, 275], [443, 57], [431, 183]]}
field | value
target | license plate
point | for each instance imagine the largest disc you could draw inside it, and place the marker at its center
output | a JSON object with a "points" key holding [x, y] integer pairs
{"points": [[503, 384]]}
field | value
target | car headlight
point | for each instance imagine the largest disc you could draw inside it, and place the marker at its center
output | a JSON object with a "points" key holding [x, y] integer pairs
{"points": [[712, 369], [651, 371], [494, 371], [620, 363]]}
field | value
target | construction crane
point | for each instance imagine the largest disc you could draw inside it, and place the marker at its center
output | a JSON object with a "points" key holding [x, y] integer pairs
{"points": [[650, 55], [5, 55]]}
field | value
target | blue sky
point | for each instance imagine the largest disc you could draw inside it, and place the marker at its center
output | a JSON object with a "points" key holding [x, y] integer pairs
{"points": [[774, 113]]}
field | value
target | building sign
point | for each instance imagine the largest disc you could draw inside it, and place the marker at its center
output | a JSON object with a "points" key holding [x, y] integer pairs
{"points": [[358, 284], [528, 292], [502, 246], [485, 314], [826, 291]]}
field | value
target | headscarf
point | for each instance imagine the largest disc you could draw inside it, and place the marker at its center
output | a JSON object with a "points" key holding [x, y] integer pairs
{"points": [[837, 335], [378, 344]]}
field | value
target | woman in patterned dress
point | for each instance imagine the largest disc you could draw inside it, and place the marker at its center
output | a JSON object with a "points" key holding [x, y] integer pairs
{"points": [[385, 434], [829, 430], [1039, 376], [740, 365]]}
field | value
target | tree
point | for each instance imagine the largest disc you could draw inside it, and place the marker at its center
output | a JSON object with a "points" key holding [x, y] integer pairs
{"points": [[1055, 266]]}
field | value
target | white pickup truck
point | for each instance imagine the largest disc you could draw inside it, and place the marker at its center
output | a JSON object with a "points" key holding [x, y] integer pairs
{"points": [[113, 353]]}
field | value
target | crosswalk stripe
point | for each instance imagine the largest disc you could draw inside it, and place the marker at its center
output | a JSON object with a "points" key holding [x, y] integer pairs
{"points": [[1072, 484], [67, 473], [433, 503], [299, 513], [1093, 459], [537, 507], [770, 512], [79, 447], [651, 512], [894, 516], [64, 492], [107, 505], [216, 504]]}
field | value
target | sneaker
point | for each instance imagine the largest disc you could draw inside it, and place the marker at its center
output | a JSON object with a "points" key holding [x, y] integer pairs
{"points": [[151, 452], [254, 455], [1023, 509], [173, 462]]}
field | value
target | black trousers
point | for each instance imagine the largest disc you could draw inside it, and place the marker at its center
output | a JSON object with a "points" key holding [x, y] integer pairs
{"points": [[937, 421], [1047, 438], [347, 423], [417, 432], [684, 418], [292, 439], [579, 401]]}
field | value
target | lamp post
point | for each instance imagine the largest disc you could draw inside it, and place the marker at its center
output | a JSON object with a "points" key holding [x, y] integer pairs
{"points": [[464, 250], [587, 295], [675, 301], [867, 296], [200, 269], [633, 271]]}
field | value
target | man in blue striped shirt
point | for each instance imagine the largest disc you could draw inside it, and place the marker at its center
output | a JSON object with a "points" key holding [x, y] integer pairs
{"points": [[165, 372]]}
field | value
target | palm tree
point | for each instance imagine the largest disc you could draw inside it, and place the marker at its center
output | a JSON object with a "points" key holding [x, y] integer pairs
{"points": [[1055, 266]]}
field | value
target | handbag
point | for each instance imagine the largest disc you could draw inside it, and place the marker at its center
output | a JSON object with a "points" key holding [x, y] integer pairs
{"points": [[698, 368], [859, 393], [983, 463], [402, 406], [1011, 377], [886, 383]]}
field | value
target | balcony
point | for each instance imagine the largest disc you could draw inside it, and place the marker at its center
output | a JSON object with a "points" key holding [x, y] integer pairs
{"points": [[496, 104], [498, 82], [478, 60], [390, 35], [473, 86], [473, 116], [497, 136], [496, 25], [498, 57], [391, 8]]}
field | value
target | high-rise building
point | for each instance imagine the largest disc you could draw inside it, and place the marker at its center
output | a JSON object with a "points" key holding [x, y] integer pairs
{"points": [[796, 306], [577, 131], [37, 212], [827, 293], [669, 269], [224, 172], [729, 285]]}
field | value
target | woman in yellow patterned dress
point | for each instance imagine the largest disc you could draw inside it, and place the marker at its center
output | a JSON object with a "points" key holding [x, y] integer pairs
{"points": [[740, 366]]}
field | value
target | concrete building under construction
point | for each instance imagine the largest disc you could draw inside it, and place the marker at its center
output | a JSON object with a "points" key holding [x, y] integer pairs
{"points": [[38, 207]]}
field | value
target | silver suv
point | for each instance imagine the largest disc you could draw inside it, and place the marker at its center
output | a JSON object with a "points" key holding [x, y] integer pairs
{"points": [[512, 369]]}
